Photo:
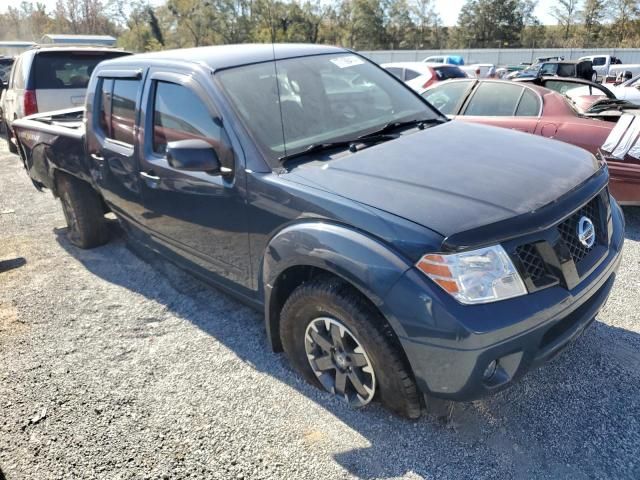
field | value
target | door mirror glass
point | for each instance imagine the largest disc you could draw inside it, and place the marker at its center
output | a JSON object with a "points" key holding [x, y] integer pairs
{"points": [[193, 155]]}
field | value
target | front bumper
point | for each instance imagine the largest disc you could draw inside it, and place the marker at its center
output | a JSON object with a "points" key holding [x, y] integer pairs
{"points": [[450, 345]]}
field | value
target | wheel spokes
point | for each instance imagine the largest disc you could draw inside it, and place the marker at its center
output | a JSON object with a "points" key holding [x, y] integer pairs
{"points": [[339, 361], [341, 383], [319, 340], [336, 336], [324, 363], [360, 387], [358, 359]]}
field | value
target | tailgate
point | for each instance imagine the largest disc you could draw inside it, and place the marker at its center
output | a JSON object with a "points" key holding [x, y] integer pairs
{"points": [[57, 99]]}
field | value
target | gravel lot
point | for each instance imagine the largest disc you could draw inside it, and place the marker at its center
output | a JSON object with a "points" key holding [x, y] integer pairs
{"points": [[114, 367]]}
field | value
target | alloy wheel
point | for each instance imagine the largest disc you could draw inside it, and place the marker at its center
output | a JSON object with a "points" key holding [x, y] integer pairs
{"points": [[339, 361]]}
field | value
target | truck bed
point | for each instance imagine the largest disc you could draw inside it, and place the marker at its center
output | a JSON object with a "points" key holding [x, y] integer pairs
{"points": [[52, 141]]}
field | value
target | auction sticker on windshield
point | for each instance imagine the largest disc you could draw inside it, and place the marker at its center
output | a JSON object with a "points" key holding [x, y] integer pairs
{"points": [[348, 61]]}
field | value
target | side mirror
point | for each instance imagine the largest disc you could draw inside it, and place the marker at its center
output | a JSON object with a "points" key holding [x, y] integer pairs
{"points": [[194, 155]]}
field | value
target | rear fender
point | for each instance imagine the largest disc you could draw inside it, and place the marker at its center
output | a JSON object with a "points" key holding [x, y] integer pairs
{"points": [[366, 263], [45, 154]]}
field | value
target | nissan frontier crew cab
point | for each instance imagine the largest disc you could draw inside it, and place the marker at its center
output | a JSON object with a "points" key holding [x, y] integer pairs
{"points": [[396, 255]]}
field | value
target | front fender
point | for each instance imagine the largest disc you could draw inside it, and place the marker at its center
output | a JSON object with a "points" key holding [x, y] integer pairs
{"points": [[365, 262]]}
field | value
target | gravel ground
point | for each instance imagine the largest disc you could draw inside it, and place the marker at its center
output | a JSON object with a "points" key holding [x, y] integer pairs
{"points": [[114, 367]]}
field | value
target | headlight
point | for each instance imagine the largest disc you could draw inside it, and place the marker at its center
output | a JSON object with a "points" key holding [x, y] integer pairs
{"points": [[477, 276]]}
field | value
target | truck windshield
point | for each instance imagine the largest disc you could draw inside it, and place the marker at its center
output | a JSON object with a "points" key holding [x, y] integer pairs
{"points": [[322, 98]]}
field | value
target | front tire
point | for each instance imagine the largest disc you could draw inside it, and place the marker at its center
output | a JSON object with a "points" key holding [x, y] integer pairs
{"points": [[341, 344], [82, 207]]}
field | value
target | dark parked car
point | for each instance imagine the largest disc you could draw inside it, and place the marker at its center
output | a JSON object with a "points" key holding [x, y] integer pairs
{"points": [[394, 253], [579, 116], [559, 68]]}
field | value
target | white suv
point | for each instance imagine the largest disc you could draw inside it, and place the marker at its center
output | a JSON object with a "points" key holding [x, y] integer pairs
{"points": [[48, 78]]}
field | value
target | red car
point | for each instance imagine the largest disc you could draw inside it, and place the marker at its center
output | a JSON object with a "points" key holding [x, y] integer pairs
{"points": [[540, 111]]}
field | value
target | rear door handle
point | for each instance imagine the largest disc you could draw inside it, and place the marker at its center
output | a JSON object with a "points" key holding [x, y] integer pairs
{"points": [[97, 158], [151, 180], [148, 176]]}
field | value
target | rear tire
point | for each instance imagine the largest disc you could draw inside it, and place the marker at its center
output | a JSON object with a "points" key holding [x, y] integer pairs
{"points": [[82, 207], [12, 147], [366, 341]]}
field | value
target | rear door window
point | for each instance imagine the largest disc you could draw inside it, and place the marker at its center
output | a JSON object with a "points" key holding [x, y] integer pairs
{"points": [[566, 70], [493, 99], [410, 74], [123, 109], [529, 104], [598, 61], [60, 70], [117, 110], [104, 111]]}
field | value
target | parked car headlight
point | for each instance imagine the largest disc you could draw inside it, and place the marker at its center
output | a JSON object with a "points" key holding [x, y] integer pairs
{"points": [[477, 276]]}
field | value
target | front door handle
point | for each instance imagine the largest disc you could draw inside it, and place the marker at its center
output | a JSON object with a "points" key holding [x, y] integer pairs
{"points": [[151, 180]]}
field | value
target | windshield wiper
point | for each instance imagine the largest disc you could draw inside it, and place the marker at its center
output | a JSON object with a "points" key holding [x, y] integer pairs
{"points": [[390, 127], [352, 145]]}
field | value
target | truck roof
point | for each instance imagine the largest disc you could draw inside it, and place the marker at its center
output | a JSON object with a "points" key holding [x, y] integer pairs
{"points": [[225, 56]]}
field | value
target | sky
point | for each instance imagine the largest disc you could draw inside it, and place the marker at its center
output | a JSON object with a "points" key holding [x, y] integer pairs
{"points": [[448, 9]]}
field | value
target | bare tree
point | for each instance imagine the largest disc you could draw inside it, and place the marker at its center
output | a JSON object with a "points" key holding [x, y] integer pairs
{"points": [[565, 11]]}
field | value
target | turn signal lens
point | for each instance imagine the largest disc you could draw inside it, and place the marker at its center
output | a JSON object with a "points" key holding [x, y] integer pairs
{"points": [[477, 276]]}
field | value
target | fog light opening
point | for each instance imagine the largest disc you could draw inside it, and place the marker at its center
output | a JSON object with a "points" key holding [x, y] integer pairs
{"points": [[490, 370]]}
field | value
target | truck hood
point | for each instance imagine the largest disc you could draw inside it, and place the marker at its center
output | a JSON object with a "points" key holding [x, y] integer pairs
{"points": [[454, 177]]}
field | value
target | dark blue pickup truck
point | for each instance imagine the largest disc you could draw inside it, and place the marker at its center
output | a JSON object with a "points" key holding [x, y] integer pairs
{"points": [[396, 255]]}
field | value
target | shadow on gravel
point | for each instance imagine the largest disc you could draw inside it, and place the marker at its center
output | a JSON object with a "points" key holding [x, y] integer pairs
{"points": [[2, 477], [576, 417], [6, 265]]}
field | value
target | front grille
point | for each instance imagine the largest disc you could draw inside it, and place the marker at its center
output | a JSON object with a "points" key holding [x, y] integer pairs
{"points": [[532, 263], [556, 255], [569, 229]]}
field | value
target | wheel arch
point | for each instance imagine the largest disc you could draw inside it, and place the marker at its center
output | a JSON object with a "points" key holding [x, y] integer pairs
{"points": [[304, 251]]}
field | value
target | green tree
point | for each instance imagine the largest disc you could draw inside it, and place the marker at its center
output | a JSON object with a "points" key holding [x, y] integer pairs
{"points": [[566, 12], [399, 24], [593, 13], [490, 24], [428, 29], [622, 14]]}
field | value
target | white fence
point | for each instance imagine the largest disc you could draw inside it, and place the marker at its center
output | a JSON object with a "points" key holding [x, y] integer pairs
{"points": [[503, 56]]}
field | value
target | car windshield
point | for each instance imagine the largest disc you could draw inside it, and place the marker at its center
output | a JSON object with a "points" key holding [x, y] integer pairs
{"points": [[317, 99]]}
